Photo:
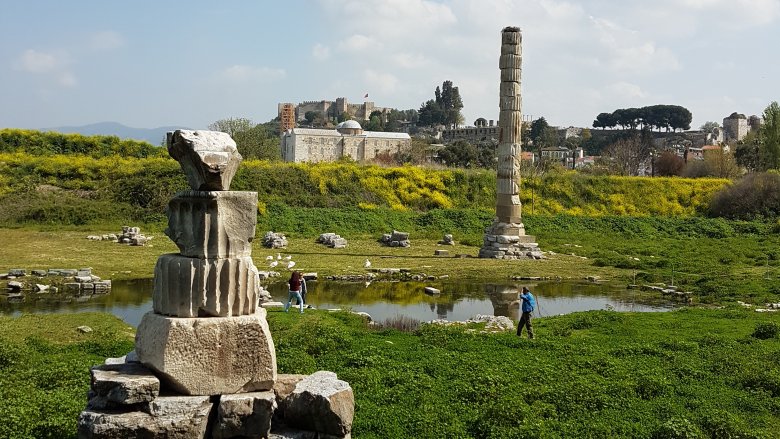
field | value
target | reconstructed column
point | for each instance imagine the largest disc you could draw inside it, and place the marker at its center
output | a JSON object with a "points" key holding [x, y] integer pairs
{"points": [[207, 335], [506, 238], [204, 364]]}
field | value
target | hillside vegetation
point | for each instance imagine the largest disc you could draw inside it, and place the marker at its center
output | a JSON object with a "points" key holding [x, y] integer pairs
{"points": [[87, 189]]}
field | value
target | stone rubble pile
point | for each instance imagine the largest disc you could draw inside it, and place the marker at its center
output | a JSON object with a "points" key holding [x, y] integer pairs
{"points": [[129, 236], [332, 240], [395, 239], [274, 240], [205, 363], [447, 240]]}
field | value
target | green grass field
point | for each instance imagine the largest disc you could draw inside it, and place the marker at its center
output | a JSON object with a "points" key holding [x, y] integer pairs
{"points": [[692, 373]]}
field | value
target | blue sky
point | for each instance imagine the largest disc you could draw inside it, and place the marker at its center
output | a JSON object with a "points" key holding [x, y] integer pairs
{"points": [[189, 63]]}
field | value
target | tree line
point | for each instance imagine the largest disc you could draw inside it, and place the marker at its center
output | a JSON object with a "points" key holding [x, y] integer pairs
{"points": [[668, 117]]}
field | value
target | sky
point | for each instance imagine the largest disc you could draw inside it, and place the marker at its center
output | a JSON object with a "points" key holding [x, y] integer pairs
{"points": [[148, 64]]}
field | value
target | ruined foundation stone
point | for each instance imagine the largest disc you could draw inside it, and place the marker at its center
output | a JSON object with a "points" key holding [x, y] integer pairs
{"points": [[209, 356]]}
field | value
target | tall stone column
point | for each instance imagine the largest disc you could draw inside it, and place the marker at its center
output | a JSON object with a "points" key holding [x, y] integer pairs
{"points": [[506, 238]]}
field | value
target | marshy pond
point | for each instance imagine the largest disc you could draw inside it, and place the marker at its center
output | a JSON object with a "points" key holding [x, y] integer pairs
{"points": [[130, 299]]}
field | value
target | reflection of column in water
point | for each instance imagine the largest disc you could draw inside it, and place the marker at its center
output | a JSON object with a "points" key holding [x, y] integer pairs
{"points": [[444, 308], [504, 300]]}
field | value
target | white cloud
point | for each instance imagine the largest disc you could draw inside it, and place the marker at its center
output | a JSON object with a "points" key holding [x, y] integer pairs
{"points": [[734, 13], [320, 52], [53, 65], [627, 91], [410, 60], [106, 40], [383, 82], [357, 43], [38, 62], [241, 73]]}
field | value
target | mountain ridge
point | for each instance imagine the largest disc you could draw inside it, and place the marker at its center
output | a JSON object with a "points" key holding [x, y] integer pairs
{"points": [[155, 136]]}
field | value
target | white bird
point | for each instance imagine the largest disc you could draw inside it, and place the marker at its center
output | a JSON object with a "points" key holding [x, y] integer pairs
{"points": [[288, 257], [278, 256], [367, 264], [290, 265], [273, 264], [368, 282], [269, 258]]}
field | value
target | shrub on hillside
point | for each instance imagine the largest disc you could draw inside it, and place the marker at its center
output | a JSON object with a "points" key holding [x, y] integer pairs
{"points": [[754, 196], [765, 331], [48, 143]]}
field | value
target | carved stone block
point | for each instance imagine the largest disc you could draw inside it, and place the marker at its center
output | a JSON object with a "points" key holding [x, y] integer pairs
{"points": [[213, 224], [192, 287], [208, 158]]}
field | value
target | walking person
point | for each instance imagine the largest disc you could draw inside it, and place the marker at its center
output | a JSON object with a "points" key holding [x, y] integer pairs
{"points": [[294, 291], [303, 290], [527, 307]]}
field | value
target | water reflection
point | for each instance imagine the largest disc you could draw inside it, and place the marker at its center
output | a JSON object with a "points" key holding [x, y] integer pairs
{"points": [[130, 300]]}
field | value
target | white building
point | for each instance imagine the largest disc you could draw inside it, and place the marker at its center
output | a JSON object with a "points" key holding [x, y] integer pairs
{"points": [[347, 140]]}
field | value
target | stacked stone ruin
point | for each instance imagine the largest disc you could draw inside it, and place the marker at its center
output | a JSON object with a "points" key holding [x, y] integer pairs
{"points": [[396, 239], [332, 240], [506, 238], [204, 363], [274, 240]]}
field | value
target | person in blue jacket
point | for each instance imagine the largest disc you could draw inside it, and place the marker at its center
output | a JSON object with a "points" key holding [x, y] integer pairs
{"points": [[527, 307]]}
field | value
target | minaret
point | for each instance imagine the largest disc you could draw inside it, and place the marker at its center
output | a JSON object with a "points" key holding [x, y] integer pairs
{"points": [[506, 238]]}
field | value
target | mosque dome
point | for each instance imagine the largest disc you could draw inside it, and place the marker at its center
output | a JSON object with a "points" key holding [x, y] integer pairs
{"points": [[352, 124], [349, 127]]}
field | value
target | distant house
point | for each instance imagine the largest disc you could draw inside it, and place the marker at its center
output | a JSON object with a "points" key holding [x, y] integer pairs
{"points": [[481, 131], [347, 140]]}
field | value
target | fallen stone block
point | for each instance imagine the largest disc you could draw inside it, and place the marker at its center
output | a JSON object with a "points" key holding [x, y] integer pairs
{"points": [[321, 403], [177, 417], [121, 384], [244, 415]]}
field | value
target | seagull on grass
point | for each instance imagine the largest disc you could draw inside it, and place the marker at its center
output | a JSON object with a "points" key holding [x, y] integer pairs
{"points": [[273, 264], [367, 264], [288, 257], [269, 258], [290, 265]]}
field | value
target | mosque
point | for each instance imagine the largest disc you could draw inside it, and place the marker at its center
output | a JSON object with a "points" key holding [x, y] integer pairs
{"points": [[347, 140]]}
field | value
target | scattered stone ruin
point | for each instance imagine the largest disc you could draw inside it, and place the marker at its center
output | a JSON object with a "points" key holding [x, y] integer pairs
{"points": [[204, 364], [274, 240], [447, 240], [17, 283], [332, 240], [506, 238], [395, 239], [129, 235]]}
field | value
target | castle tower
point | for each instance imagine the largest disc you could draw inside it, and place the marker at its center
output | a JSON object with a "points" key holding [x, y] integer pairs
{"points": [[506, 238]]}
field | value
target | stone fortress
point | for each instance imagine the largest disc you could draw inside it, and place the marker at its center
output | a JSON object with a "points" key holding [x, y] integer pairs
{"points": [[332, 109], [347, 140], [204, 364]]}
